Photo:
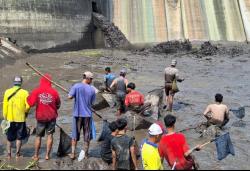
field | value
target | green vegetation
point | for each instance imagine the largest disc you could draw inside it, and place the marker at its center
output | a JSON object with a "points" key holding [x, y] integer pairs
{"points": [[89, 53]]}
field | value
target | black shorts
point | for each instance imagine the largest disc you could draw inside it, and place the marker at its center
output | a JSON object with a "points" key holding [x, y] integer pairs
{"points": [[168, 89], [120, 98], [48, 127], [17, 131], [80, 123]]}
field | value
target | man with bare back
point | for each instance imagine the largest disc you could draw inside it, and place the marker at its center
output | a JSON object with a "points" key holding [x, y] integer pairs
{"points": [[217, 113]]}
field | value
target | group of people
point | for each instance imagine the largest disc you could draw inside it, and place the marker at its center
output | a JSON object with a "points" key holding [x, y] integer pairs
{"points": [[127, 98], [118, 148], [16, 105], [216, 114]]}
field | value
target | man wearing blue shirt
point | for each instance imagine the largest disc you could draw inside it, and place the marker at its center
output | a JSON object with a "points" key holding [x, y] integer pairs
{"points": [[108, 78], [84, 95]]}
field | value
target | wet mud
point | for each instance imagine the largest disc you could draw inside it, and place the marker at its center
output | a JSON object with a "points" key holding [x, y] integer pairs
{"points": [[226, 72]]}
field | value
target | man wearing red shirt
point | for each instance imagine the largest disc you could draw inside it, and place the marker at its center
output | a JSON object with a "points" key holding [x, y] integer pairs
{"points": [[47, 102], [174, 148], [134, 100]]}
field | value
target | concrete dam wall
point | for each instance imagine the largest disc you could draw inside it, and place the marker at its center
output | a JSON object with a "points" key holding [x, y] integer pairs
{"points": [[47, 24], [145, 21], [67, 24]]}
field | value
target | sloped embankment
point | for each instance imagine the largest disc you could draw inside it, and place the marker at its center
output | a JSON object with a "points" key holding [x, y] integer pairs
{"points": [[113, 36], [9, 52]]}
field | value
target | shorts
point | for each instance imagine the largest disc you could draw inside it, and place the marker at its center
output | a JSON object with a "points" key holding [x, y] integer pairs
{"points": [[136, 108], [17, 131], [48, 127], [78, 124], [168, 89], [120, 98]]}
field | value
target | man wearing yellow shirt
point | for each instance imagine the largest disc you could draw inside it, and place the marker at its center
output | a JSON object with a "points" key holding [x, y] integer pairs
{"points": [[150, 156], [15, 110]]}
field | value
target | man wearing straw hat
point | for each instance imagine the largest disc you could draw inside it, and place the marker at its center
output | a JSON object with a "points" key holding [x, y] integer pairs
{"points": [[15, 110]]}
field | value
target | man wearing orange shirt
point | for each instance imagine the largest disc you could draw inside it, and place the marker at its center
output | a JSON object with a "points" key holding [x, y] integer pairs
{"points": [[134, 100]]}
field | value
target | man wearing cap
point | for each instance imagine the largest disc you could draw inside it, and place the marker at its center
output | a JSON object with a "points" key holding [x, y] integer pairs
{"points": [[108, 78], [84, 95], [150, 155], [171, 74], [47, 102], [120, 85], [15, 111]]}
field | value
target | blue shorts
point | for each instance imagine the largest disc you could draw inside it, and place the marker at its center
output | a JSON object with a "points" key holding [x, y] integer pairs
{"points": [[84, 124]]}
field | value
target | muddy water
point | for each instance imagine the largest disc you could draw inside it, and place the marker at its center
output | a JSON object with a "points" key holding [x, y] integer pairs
{"points": [[203, 78]]}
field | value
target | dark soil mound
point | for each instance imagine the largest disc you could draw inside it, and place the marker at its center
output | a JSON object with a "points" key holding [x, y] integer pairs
{"points": [[207, 49], [172, 47], [114, 38]]}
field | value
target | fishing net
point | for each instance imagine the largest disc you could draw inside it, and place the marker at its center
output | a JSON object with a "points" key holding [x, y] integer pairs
{"points": [[224, 146], [239, 113], [64, 144], [105, 130]]}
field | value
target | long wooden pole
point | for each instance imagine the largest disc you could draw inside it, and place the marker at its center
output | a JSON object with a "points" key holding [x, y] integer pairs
{"points": [[38, 72], [58, 85]]}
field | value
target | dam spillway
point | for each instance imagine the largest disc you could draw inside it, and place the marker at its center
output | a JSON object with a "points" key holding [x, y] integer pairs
{"points": [[67, 24], [144, 21]]}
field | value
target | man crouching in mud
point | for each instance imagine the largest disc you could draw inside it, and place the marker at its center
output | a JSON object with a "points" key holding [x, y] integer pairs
{"points": [[123, 149], [134, 100], [218, 113], [84, 95]]}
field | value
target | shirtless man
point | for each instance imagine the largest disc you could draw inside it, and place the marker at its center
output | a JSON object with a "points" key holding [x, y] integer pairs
{"points": [[218, 113]]}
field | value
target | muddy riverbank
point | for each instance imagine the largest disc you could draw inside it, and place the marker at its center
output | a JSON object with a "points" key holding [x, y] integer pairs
{"points": [[204, 76]]}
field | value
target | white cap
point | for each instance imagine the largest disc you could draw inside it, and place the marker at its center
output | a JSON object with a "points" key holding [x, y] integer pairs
{"points": [[174, 62], [89, 74], [155, 129], [123, 71]]}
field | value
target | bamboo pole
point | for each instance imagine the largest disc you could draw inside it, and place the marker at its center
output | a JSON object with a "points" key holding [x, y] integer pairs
{"points": [[59, 86]]}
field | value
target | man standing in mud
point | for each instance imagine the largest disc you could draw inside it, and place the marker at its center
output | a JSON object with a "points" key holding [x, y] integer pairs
{"points": [[84, 95], [174, 148], [123, 149], [150, 154], [47, 102], [108, 79], [134, 100], [171, 74], [120, 85], [15, 111], [217, 113]]}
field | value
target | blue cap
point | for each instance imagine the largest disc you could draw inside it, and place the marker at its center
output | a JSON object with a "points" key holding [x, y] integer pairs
{"points": [[18, 80]]}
